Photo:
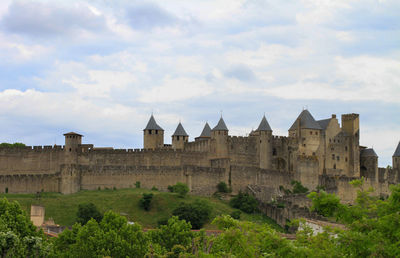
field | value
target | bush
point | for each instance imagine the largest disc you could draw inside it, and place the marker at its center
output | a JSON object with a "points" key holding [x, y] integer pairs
{"points": [[154, 188], [324, 204], [222, 187], [170, 188], [137, 184], [298, 187], [197, 213], [87, 211], [236, 214], [244, 202], [145, 202], [181, 189]]}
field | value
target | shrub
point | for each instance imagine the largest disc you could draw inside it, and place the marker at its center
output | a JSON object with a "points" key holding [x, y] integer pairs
{"points": [[87, 211], [298, 187], [222, 187], [197, 213], [181, 189], [324, 204], [137, 184], [145, 202], [244, 202], [236, 214], [170, 188], [154, 188]]}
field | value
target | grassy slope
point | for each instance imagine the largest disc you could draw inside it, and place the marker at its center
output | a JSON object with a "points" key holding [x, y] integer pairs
{"points": [[63, 208]]}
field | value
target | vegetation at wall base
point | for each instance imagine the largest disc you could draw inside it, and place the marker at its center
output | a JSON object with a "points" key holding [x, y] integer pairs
{"points": [[372, 230], [145, 202], [244, 202], [63, 208]]}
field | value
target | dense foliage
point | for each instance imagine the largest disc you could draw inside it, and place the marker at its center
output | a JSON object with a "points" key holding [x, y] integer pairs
{"points": [[87, 211], [372, 230], [12, 145], [197, 213], [222, 187], [180, 188], [145, 202], [18, 236], [244, 202]]}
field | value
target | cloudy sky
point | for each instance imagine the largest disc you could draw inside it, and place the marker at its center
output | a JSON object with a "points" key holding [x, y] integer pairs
{"points": [[100, 68]]}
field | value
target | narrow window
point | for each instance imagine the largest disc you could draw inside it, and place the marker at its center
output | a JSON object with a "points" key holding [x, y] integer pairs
{"points": [[345, 159], [333, 156], [149, 131], [156, 131], [345, 148], [334, 166], [177, 137], [337, 158], [316, 133], [310, 132]]}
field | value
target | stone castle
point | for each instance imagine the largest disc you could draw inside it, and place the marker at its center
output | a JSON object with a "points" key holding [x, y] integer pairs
{"points": [[315, 152]]}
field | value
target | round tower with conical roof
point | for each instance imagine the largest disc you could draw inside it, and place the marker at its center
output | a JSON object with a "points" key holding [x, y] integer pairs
{"points": [[220, 136], [153, 135], [179, 138], [265, 144], [396, 158]]}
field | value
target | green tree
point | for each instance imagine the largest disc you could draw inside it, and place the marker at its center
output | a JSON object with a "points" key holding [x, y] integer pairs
{"points": [[244, 202], [87, 211], [145, 201], [197, 213], [181, 189], [18, 236], [298, 187], [112, 237], [175, 232], [222, 187], [324, 203]]}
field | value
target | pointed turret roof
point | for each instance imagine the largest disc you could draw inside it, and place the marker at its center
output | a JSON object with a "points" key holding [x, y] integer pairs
{"points": [[397, 152], [221, 126], [180, 131], [152, 124], [264, 126], [307, 121], [369, 152], [206, 131]]}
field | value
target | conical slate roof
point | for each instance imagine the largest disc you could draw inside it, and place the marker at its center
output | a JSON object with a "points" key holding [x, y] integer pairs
{"points": [[206, 131], [180, 131], [368, 153], [307, 121], [152, 125], [397, 152], [264, 126], [221, 126]]}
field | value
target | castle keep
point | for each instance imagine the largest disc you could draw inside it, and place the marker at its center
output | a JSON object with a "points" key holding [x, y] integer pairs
{"points": [[315, 152]]}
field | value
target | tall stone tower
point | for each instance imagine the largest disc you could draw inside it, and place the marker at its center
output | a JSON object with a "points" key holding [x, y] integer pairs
{"points": [[153, 135], [265, 144], [179, 137], [220, 134], [351, 126], [396, 158], [72, 142], [308, 133]]}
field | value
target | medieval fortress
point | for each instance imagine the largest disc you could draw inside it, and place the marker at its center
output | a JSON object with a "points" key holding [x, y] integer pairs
{"points": [[315, 152]]}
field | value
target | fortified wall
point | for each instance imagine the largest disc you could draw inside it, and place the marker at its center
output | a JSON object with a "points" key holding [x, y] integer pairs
{"points": [[315, 153]]}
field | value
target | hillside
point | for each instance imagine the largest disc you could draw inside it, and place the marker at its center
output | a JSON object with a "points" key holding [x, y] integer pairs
{"points": [[63, 208]]}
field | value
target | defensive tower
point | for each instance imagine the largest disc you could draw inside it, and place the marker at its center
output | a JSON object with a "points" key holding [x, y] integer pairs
{"points": [[153, 135], [351, 126], [396, 158], [220, 134], [179, 137], [265, 144]]}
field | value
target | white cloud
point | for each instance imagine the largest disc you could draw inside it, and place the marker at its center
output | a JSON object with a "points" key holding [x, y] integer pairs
{"points": [[176, 89]]}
